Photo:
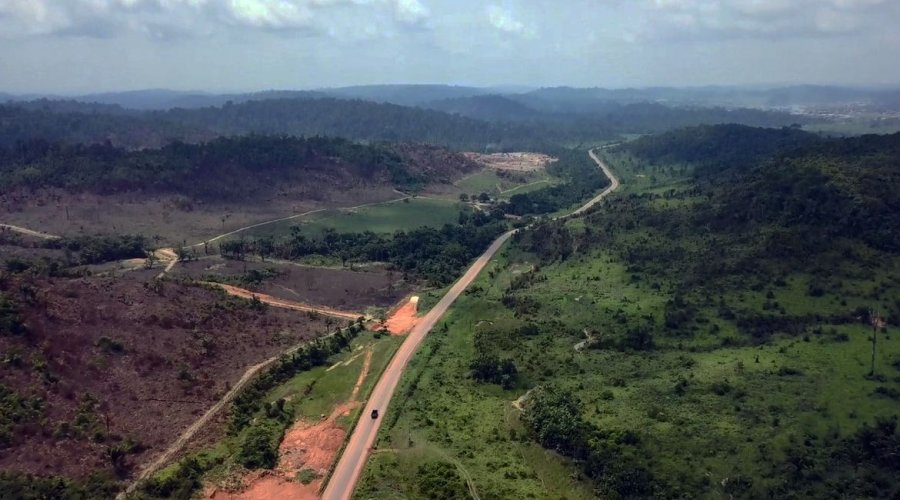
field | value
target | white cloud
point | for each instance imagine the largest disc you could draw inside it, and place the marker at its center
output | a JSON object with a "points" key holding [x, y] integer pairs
{"points": [[103, 18], [411, 11], [271, 14], [722, 19], [504, 21]]}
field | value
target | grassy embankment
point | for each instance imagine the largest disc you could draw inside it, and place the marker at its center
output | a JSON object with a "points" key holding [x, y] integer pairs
{"points": [[308, 395]]}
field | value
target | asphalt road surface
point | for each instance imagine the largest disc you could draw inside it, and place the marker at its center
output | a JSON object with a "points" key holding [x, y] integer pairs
{"points": [[352, 461]]}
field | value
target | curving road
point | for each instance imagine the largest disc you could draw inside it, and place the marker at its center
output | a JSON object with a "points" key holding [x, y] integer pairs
{"points": [[352, 461]]}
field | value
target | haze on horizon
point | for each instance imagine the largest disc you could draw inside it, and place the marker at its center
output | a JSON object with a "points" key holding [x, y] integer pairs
{"points": [[82, 46]]}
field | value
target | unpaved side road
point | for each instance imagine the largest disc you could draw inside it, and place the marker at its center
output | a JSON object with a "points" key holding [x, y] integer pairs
{"points": [[296, 216], [177, 445], [189, 433], [351, 463], [29, 232], [282, 303]]}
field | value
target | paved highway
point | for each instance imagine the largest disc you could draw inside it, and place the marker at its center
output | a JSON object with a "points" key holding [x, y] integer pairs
{"points": [[352, 461]]}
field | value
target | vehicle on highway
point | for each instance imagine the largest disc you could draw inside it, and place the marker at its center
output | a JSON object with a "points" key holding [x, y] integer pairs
{"points": [[374, 414]]}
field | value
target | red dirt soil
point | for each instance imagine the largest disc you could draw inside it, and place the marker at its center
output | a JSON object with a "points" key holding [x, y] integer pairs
{"points": [[305, 446], [402, 320], [285, 304]]}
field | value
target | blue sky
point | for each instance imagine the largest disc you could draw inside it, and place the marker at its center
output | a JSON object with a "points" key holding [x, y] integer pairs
{"points": [[76, 46]]}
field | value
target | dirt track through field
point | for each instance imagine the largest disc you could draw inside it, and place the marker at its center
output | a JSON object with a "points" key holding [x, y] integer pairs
{"points": [[29, 232], [350, 466], [295, 216], [283, 303], [189, 433], [363, 373]]}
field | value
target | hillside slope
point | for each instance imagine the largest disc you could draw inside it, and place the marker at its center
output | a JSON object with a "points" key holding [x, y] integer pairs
{"points": [[705, 334], [236, 169]]}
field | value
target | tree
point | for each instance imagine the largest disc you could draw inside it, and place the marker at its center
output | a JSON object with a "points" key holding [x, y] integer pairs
{"points": [[257, 449], [151, 259], [490, 368], [463, 197]]}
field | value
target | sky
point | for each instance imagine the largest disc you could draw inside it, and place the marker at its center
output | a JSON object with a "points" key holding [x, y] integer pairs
{"points": [[83, 46]]}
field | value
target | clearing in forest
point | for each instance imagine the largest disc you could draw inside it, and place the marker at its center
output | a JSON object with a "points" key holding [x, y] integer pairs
{"points": [[520, 162]]}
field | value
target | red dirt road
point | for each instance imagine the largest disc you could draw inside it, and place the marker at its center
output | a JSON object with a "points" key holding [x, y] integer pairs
{"points": [[350, 466], [284, 304]]}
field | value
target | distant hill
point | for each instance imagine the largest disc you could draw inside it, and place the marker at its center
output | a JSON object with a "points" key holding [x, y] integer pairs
{"points": [[480, 123], [71, 122], [486, 107], [405, 95], [808, 189], [360, 120], [720, 147], [168, 99], [571, 99]]}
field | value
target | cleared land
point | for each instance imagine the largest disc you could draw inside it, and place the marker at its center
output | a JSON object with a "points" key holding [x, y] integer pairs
{"points": [[324, 401], [98, 351], [519, 162], [336, 288], [175, 219]]}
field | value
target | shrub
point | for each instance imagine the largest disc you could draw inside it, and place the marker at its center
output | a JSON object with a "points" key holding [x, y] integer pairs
{"points": [[441, 480], [259, 448], [789, 371]]}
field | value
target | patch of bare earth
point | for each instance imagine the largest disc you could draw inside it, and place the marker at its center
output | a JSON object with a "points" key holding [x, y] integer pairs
{"points": [[177, 219], [306, 446], [519, 162], [402, 319]]}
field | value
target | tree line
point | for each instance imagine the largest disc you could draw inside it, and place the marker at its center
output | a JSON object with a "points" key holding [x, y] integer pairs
{"points": [[224, 168]]}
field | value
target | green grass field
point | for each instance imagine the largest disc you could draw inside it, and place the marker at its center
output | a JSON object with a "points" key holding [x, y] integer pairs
{"points": [[388, 217], [379, 218], [498, 186]]}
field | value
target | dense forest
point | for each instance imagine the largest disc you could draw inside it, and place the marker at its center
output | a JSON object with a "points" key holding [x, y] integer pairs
{"points": [[580, 177], [808, 190], [479, 123], [436, 255], [210, 171]]}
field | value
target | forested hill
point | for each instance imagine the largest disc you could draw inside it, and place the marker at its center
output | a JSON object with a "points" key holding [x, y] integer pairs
{"points": [[807, 189], [65, 121], [234, 168], [719, 147], [74, 123], [481, 123], [363, 120]]}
